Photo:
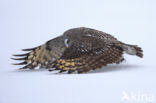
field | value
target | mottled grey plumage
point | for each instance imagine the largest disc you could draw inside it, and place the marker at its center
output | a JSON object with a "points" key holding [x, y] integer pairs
{"points": [[79, 49]]}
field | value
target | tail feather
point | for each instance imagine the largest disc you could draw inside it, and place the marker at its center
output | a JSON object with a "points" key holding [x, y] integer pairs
{"points": [[133, 50], [139, 52]]}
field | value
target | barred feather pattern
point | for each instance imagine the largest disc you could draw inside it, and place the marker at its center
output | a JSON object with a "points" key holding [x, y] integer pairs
{"points": [[37, 57], [89, 62]]}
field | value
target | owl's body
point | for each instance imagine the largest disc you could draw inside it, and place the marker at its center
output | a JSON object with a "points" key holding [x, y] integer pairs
{"points": [[79, 49]]}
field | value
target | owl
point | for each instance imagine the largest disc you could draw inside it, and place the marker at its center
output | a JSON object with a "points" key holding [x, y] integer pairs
{"points": [[78, 50]]}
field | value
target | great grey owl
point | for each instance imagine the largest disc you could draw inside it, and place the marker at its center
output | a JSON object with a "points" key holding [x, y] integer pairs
{"points": [[79, 49]]}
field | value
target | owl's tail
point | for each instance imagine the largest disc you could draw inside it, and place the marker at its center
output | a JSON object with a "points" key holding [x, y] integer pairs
{"points": [[132, 50]]}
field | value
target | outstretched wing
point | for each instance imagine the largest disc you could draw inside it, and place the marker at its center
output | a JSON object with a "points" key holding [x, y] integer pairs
{"points": [[39, 56], [88, 53]]}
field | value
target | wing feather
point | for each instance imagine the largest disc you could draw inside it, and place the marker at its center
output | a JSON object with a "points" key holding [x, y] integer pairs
{"points": [[87, 54], [37, 57]]}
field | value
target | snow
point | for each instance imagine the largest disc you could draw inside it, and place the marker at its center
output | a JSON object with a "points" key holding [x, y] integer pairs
{"points": [[29, 23]]}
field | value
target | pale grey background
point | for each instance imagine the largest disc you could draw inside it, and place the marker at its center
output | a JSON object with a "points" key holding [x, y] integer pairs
{"points": [[29, 23]]}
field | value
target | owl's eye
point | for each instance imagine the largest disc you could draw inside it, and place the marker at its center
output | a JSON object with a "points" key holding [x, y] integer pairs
{"points": [[66, 42]]}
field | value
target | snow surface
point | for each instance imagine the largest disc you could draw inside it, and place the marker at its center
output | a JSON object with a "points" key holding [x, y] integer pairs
{"points": [[29, 23]]}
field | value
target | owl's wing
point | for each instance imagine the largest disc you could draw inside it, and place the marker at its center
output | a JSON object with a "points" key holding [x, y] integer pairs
{"points": [[88, 53], [98, 34], [39, 56]]}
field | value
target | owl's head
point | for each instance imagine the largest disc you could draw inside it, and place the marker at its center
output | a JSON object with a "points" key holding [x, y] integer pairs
{"points": [[73, 35], [56, 44], [59, 43]]}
